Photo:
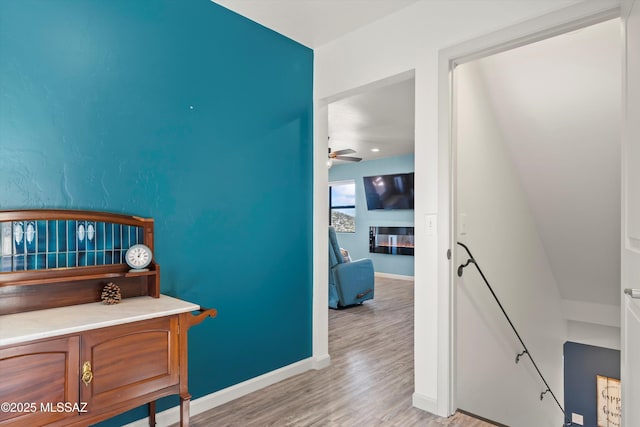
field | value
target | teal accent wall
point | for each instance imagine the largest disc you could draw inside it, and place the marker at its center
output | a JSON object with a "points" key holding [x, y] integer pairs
{"points": [[186, 112], [358, 243]]}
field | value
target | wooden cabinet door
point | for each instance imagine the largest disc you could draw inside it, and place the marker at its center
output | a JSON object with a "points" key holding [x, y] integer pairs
{"points": [[129, 361], [34, 378]]}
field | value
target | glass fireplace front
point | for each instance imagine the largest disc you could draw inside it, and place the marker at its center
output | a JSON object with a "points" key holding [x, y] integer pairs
{"points": [[391, 240]]}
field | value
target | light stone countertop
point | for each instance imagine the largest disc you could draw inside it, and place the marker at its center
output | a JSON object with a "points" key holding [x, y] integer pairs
{"points": [[32, 325]]}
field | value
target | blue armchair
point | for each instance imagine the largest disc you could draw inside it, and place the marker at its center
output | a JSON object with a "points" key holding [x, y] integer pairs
{"points": [[350, 282]]}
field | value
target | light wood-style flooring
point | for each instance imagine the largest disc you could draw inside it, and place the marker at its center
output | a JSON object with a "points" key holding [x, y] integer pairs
{"points": [[369, 382]]}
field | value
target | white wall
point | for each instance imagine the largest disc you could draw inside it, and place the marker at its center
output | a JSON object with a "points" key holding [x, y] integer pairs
{"points": [[502, 234], [410, 40], [593, 334], [556, 120]]}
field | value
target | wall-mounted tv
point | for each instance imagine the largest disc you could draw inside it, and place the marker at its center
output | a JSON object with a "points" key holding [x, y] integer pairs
{"points": [[393, 191]]}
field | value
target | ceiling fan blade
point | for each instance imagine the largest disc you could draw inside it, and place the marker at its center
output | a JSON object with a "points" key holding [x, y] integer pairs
{"points": [[345, 151], [348, 159]]}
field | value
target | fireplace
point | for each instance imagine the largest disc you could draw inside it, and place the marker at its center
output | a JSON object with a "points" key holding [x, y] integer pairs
{"points": [[391, 240]]}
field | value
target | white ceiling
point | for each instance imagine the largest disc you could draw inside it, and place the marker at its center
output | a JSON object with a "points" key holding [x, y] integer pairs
{"points": [[557, 103], [381, 119], [314, 22]]}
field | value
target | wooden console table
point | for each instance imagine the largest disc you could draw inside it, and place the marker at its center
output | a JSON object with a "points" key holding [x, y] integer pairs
{"points": [[67, 359]]}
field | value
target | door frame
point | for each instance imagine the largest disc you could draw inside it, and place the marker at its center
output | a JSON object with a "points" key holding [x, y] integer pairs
{"points": [[320, 311], [553, 24], [628, 245]]}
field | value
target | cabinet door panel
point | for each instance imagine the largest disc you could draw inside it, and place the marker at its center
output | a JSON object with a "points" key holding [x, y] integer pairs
{"points": [[114, 360], [130, 360], [35, 377]]}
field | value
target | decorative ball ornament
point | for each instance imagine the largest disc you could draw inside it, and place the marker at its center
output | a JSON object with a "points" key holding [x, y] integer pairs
{"points": [[111, 294]]}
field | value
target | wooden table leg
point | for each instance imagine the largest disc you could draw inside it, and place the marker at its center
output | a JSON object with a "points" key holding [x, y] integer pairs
{"points": [[184, 410], [152, 413]]}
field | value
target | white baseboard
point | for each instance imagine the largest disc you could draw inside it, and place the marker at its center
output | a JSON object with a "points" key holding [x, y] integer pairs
{"points": [[425, 403], [321, 362], [394, 276], [210, 401]]}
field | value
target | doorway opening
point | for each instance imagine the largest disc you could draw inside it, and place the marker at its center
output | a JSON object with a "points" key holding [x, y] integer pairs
{"points": [[371, 131], [536, 185], [375, 127]]}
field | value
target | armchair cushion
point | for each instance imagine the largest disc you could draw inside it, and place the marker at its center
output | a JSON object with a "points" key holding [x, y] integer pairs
{"points": [[354, 281]]}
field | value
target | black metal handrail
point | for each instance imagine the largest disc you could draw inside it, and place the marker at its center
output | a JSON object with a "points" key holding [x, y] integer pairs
{"points": [[526, 351]]}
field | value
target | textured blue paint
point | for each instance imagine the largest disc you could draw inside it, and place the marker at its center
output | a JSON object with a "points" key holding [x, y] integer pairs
{"points": [[358, 243], [188, 113], [581, 365]]}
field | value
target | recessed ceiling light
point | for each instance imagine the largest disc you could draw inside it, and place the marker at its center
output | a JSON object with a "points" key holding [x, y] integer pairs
{"points": [[375, 150]]}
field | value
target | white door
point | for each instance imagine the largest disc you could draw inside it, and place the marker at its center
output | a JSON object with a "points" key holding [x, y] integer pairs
{"points": [[631, 217]]}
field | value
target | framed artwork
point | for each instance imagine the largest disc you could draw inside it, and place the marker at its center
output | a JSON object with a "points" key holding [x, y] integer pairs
{"points": [[608, 402]]}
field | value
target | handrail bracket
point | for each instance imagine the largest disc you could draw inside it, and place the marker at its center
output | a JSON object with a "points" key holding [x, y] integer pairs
{"points": [[543, 393], [463, 266], [519, 355]]}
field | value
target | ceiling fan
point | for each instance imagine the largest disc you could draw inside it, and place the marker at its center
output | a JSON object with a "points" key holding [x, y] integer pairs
{"points": [[340, 155]]}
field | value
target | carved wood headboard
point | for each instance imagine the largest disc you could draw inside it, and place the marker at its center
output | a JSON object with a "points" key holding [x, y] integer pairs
{"points": [[52, 258]]}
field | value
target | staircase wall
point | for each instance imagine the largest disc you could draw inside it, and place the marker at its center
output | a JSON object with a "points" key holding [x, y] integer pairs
{"points": [[500, 230]]}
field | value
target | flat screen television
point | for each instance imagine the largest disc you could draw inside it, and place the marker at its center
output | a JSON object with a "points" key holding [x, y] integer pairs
{"points": [[393, 191]]}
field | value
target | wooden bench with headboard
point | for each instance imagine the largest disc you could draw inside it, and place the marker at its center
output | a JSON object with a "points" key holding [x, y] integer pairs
{"points": [[60, 347]]}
